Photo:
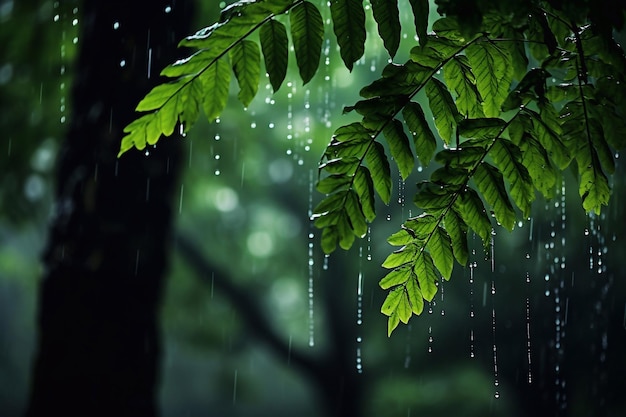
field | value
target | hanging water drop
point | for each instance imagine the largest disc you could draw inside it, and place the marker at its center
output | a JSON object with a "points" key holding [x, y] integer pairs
{"points": [[472, 265], [430, 339]]}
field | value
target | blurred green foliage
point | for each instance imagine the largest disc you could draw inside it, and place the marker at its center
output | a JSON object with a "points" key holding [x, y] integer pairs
{"points": [[246, 199]]}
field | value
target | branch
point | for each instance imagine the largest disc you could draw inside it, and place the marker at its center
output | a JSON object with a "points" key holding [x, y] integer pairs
{"points": [[246, 305]]}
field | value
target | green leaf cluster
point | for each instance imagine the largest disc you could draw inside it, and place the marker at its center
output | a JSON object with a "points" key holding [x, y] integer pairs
{"points": [[511, 101]]}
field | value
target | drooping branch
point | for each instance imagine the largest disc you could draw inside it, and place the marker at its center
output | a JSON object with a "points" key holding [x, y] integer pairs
{"points": [[246, 304]]}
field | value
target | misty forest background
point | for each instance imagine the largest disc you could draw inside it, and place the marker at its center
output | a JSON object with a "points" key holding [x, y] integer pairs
{"points": [[254, 319]]}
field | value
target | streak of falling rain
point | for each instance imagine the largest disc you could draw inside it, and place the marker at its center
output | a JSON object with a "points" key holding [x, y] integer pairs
{"points": [[9, 146], [311, 264], [290, 133], [496, 381], [289, 351], [472, 266], [601, 284], [328, 88], [137, 261], [180, 202], [528, 338], [359, 312], [235, 388], [149, 53], [401, 194], [430, 339], [407, 353], [216, 154], [148, 189], [484, 294]]}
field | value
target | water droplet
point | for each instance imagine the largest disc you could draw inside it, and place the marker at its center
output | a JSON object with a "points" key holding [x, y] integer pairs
{"points": [[116, 25]]}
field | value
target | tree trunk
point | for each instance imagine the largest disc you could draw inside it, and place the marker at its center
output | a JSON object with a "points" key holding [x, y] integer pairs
{"points": [[108, 246]]}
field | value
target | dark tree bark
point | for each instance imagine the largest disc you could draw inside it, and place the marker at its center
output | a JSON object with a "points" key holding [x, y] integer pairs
{"points": [[108, 246]]}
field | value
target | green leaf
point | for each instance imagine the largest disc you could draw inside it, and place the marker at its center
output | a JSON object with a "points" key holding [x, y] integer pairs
{"points": [[493, 69], [448, 27], [399, 147], [346, 230], [443, 108], [457, 230], [331, 203], [274, 45], [391, 302], [343, 165], [159, 95], [550, 139], [491, 185], [387, 17], [397, 276], [461, 80], [398, 80], [307, 34], [423, 138], [215, 79], [508, 157], [533, 155], [470, 208], [404, 310], [432, 196], [426, 276], [350, 141], [449, 176], [333, 183], [193, 64], [466, 156], [380, 171], [531, 87], [482, 128], [349, 26], [422, 226], [416, 298], [592, 153], [246, 61], [377, 111], [364, 188], [594, 185], [355, 215], [330, 239], [440, 247], [392, 323], [420, 17], [402, 256], [436, 53], [402, 237]]}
